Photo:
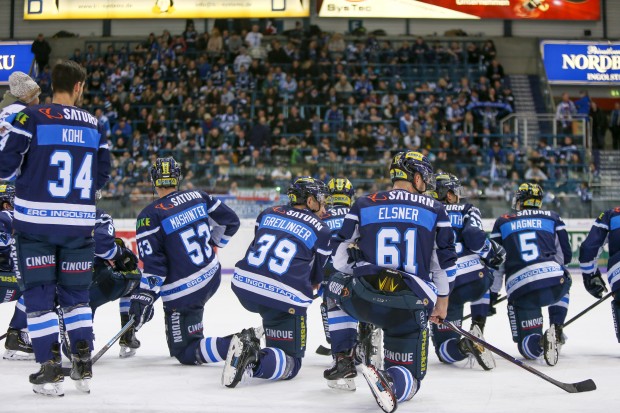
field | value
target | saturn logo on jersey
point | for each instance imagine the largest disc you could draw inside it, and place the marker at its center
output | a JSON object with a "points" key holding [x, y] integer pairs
{"points": [[48, 113]]}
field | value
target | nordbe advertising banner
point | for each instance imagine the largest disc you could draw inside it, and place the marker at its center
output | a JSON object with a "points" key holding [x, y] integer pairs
{"points": [[463, 9], [14, 56], [163, 9], [581, 63]]}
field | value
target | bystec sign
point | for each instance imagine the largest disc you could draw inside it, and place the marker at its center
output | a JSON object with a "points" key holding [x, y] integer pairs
{"points": [[14, 56], [581, 63], [463, 9], [163, 9]]}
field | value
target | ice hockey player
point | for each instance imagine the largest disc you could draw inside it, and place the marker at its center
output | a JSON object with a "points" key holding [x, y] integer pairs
{"points": [[398, 246], [276, 279], [59, 156], [605, 230], [17, 345], [477, 256], [116, 277], [176, 235], [537, 251]]}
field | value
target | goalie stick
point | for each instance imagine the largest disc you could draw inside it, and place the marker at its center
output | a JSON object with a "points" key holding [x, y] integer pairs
{"points": [[67, 370], [582, 386]]}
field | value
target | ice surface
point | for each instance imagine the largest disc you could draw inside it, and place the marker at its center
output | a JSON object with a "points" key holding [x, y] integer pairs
{"points": [[153, 382]]}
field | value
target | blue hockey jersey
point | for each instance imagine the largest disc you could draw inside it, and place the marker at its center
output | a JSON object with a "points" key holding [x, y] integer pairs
{"points": [[606, 229], [285, 260], [403, 231], [472, 246], [104, 236], [537, 249], [58, 156], [6, 239], [175, 236], [334, 217]]}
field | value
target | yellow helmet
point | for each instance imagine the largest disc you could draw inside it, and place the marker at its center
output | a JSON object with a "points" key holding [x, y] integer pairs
{"points": [[340, 191]]}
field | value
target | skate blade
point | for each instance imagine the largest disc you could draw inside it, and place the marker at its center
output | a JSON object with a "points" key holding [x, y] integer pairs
{"points": [[229, 374], [17, 355], [82, 385], [342, 384], [380, 389], [127, 352], [49, 389], [551, 351]]}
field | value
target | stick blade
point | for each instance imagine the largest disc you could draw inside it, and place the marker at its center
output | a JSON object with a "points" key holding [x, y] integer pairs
{"points": [[582, 386], [323, 351]]}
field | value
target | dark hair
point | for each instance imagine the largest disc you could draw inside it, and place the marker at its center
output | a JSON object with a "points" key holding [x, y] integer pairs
{"points": [[65, 75]]}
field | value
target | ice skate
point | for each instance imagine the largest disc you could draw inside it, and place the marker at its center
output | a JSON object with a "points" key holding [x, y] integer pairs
{"points": [[340, 375], [380, 388], [551, 346], [82, 368], [482, 355], [17, 346], [48, 381], [128, 341], [241, 358]]}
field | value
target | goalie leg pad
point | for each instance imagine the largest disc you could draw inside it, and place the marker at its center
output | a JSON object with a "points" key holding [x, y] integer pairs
{"points": [[184, 334]]}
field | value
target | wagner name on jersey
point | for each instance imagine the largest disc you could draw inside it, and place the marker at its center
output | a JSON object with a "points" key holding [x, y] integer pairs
{"points": [[60, 159], [606, 229], [537, 249], [290, 249], [175, 236], [402, 231]]}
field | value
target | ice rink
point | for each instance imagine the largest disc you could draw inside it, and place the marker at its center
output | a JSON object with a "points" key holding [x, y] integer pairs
{"points": [[154, 382]]}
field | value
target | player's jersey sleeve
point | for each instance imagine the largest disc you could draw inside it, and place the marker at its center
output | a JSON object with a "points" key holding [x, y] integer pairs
{"points": [[474, 237], [104, 235], [103, 159], [150, 241], [564, 253], [223, 221], [14, 145], [321, 256], [443, 261], [496, 234], [348, 234], [592, 246]]}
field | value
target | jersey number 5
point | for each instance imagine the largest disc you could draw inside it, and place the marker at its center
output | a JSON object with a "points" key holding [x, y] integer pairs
{"points": [[528, 246]]}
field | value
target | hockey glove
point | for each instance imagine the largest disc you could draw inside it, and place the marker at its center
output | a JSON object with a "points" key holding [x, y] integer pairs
{"points": [[125, 260], [355, 255], [594, 284], [499, 255], [141, 306]]}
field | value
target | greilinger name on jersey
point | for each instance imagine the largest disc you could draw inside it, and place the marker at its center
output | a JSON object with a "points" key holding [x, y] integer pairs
{"points": [[293, 227]]}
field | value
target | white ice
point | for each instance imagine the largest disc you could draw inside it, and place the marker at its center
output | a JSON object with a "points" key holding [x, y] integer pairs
{"points": [[154, 382]]}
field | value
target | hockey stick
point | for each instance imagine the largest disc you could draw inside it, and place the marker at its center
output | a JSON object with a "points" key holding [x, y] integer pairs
{"points": [[3, 336], [67, 370], [582, 386], [499, 300], [600, 300]]}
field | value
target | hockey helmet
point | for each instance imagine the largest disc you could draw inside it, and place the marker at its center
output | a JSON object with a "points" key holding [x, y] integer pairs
{"points": [[340, 192], [446, 182], [7, 194], [528, 196], [406, 164], [166, 173], [305, 187]]}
